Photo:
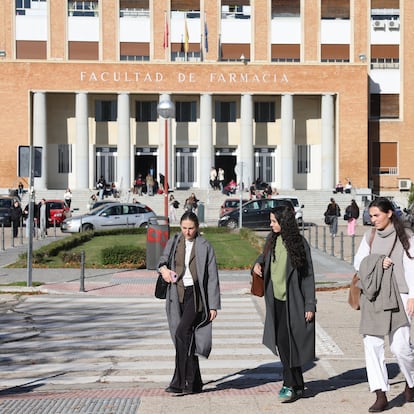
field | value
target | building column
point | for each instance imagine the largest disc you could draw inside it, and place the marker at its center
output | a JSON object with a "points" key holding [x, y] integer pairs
{"points": [[245, 163], [206, 149], [287, 143], [327, 143], [40, 135], [81, 159], [123, 148]]}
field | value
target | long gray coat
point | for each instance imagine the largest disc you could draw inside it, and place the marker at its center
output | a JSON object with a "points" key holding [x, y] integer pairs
{"points": [[300, 297], [208, 279]]}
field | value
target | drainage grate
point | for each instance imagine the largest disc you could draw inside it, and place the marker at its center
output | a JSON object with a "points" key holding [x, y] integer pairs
{"points": [[71, 406]]}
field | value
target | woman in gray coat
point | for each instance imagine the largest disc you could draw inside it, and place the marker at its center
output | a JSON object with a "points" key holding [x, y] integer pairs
{"points": [[289, 282], [188, 264]]}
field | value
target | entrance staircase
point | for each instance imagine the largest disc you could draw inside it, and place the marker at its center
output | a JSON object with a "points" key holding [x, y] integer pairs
{"points": [[314, 201]]}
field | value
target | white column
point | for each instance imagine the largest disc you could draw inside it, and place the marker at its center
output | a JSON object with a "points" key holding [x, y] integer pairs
{"points": [[206, 150], [327, 143], [40, 135], [246, 139], [81, 158], [123, 149], [287, 144]]}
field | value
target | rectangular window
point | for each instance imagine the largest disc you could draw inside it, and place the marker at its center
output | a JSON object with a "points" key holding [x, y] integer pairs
{"points": [[83, 8], [65, 158], [225, 111], [264, 159], [146, 111], [384, 106], [106, 111], [385, 158], [304, 159], [335, 9], [264, 112], [186, 111]]}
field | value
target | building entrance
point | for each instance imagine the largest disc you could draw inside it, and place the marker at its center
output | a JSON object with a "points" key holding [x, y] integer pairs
{"points": [[227, 160]]}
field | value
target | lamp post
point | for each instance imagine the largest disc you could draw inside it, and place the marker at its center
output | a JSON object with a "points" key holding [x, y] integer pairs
{"points": [[166, 110]]}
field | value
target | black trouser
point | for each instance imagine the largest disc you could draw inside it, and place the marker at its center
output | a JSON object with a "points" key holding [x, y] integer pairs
{"points": [[15, 224], [292, 376], [187, 369]]}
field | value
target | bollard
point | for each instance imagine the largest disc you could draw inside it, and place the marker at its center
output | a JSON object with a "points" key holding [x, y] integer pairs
{"points": [[352, 249], [324, 240], [82, 273], [54, 227], [332, 245], [342, 245], [21, 231], [310, 236], [12, 234], [316, 236], [2, 237]]}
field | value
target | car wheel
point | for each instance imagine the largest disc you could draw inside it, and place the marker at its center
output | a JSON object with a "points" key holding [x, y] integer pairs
{"points": [[232, 224], [143, 225], [87, 227]]}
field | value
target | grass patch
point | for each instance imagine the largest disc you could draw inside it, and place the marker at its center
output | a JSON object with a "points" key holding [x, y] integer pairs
{"points": [[234, 249]]}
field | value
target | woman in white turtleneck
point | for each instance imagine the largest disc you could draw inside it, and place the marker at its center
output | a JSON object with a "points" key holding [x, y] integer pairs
{"points": [[386, 253]]}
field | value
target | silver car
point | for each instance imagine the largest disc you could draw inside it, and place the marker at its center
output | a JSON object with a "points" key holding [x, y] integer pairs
{"points": [[109, 216]]}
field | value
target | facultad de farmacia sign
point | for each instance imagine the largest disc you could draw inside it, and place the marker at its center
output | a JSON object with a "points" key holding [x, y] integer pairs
{"points": [[228, 78]]}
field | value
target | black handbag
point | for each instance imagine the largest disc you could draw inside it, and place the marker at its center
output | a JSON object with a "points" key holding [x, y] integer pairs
{"points": [[161, 285]]}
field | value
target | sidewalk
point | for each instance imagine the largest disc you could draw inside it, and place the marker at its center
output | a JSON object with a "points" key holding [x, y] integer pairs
{"points": [[335, 382]]}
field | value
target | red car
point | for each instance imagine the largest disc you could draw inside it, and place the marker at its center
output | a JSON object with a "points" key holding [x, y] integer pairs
{"points": [[58, 211]]}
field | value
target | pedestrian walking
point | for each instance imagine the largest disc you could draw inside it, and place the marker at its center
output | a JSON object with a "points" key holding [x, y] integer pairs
{"points": [[332, 213], [43, 216], [174, 204], [16, 217], [193, 298], [351, 215], [289, 293], [385, 265]]}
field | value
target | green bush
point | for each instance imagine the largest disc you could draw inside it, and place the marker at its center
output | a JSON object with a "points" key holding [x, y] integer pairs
{"points": [[122, 256]]}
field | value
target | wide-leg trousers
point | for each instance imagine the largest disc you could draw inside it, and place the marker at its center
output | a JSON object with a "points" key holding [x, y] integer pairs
{"points": [[292, 376], [402, 349], [187, 369]]}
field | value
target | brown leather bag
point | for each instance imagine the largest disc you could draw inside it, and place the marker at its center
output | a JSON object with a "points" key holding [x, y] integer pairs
{"points": [[257, 288], [354, 293]]}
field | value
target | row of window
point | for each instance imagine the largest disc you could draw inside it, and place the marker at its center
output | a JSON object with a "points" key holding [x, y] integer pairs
{"points": [[381, 106], [185, 111]]}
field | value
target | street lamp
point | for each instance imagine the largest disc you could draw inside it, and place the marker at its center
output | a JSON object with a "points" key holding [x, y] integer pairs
{"points": [[166, 110]]}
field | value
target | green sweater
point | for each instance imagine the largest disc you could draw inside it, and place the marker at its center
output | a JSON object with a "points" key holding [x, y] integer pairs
{"points": [[278, 270]]}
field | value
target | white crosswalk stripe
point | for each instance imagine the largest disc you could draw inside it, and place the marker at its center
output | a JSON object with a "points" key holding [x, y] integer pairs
{"points": [[79, 340]]}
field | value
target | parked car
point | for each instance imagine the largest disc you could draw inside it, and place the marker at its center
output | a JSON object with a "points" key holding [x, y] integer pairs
{"points": [[255, 213], [6, 203], [366, 219], [231, 204], [58, 211], [109, 216], [298, 207]]}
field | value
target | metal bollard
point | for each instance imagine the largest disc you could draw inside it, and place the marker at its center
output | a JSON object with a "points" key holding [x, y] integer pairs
{"points": [[12, 234], [342, 246], [310, 236], [352, 249], [21, 231], [82, 274], [332, 245], [2, 237], [316, 236], [324, 239]]}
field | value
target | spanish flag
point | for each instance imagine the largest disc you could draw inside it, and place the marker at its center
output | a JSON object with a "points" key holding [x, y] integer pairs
{"points": [[186, 37]]}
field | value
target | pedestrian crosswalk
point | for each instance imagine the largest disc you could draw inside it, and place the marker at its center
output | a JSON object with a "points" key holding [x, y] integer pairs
{"points": [[84, 339]]}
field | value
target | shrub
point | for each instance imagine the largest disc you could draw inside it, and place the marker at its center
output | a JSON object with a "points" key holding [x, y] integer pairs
{"points": [[123, 256]]}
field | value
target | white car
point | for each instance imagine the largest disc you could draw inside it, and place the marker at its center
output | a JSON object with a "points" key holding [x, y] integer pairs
{"points": [[296, 204], [109, 216]]}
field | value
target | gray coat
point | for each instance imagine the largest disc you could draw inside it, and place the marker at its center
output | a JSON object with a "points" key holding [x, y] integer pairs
{"points": [[382, 310], [208, 279], [300, 297]]}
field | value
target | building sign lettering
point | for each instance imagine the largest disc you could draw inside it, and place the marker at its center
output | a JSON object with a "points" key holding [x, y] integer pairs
{"points": [[230, 78]]}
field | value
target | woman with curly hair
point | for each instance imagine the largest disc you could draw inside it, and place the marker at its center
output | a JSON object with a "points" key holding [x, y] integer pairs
{"points": [[385, 266], [289, 284]]}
